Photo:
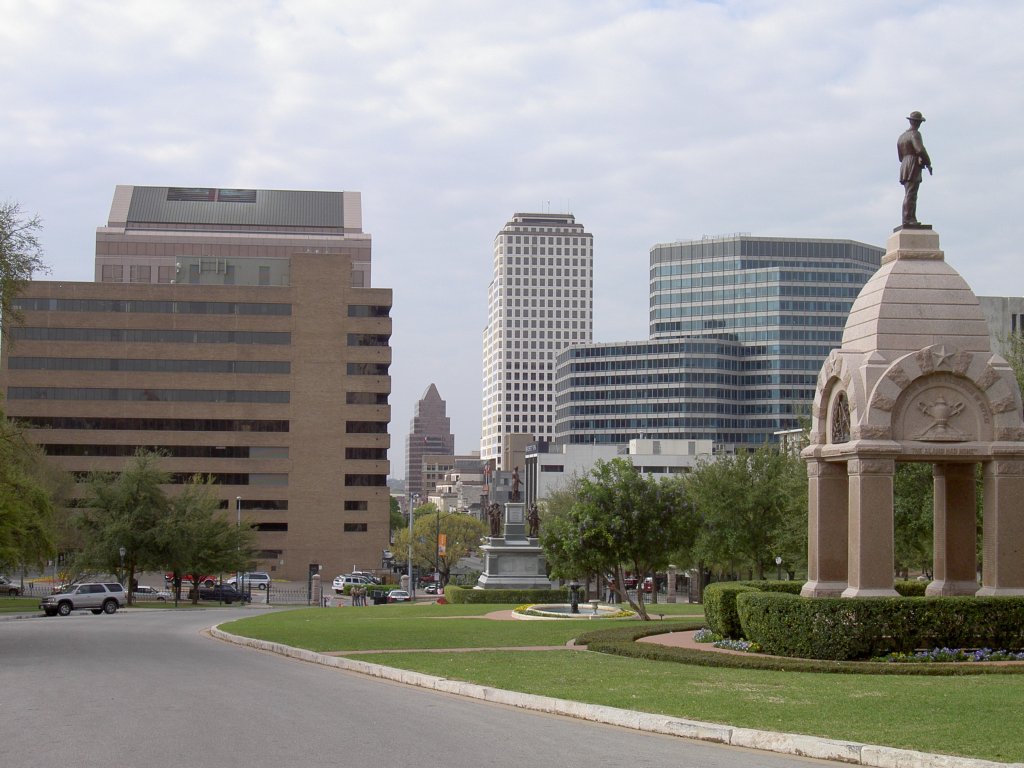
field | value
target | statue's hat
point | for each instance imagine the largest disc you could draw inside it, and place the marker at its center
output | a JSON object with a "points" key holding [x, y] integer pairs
{"points": [[915, 115]]}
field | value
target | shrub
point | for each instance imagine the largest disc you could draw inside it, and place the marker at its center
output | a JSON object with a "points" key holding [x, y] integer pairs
{"points": [[720, 602], [504, 596], [859, 628], [910, 588]]}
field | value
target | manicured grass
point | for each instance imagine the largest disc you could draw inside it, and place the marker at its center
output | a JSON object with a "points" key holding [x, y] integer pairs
{"points": [[19, 604], [400, 627], [971, 716]]}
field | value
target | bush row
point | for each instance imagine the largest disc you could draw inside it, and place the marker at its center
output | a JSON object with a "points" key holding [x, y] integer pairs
{"points": [[720, 600], [859, 628], [620, 641], [504, 596]]}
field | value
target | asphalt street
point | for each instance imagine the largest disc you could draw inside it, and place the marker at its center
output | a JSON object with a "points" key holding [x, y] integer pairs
{"points": [[148, 689]]}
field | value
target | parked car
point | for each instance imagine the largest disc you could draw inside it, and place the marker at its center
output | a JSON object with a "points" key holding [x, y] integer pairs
{"points": [[94, 596], [434, 589], [186, 580], [224, 593], [151, 593], [399, 596], [8, 587], [258, 579], [370, 578], [348, 580]]}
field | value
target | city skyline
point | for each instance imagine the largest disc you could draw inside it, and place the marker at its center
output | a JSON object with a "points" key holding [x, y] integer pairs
{"points": [[650, 122]]}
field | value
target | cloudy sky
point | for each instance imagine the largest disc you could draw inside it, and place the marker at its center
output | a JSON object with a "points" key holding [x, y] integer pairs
{"points": [[650, 121]]}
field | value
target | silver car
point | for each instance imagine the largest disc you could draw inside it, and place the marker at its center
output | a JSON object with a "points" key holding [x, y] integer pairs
{"points": [[94, 596]]}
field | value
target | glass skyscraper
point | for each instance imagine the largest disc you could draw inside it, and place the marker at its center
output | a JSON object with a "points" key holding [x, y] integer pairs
{"points": [[739, 328]]}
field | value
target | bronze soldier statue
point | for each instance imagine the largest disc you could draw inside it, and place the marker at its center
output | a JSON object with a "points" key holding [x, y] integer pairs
{"points": [[515, 485], [913, 157], [494, 515], [533, 518]]}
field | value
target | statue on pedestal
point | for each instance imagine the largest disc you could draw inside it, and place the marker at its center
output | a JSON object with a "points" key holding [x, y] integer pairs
{"points": [[515, 485], [533, 518], [913, 157], [494, 516]]}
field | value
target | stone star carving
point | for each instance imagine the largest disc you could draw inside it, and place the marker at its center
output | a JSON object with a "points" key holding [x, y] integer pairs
{"points": [[941, 355]]}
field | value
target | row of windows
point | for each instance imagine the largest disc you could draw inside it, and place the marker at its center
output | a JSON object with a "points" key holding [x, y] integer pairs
{"points": [[362, 480], [271, 527], [137, 335], [164, 307], [681, 296], [369, 339], [256, 505], [160, 366], [755, 310], [373, 454], [155, 425], [148, 395], [171, 451], [218, 478], [768, 249], [366, 427], [368, 310], [785, 279], [367, 369], [366, 398]]}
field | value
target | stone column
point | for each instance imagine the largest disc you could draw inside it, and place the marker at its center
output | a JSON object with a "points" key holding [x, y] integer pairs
{"points": [[871, 560], [827, 529], [670, 587], [1003, 535], [956, 563]]}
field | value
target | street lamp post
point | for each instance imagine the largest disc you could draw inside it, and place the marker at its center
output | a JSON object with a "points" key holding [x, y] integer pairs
{"points": [[122, 552], [412, 584], [778, 568], [437, 549]]}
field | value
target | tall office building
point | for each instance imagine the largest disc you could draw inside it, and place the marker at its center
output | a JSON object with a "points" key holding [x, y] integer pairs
{"points": [[430, 432], [540, 300], [233, 331], [739, 329]]}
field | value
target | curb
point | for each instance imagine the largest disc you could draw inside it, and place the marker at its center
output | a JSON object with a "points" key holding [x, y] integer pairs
{"points": [[768, 741]]}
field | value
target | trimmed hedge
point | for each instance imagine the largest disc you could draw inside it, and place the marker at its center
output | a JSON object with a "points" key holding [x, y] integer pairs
{"points": [[504, 596], [620, 641], [720, 602], [860, 628]]}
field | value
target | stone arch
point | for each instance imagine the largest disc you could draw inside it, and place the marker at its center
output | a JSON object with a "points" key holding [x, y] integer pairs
{"points": [[918, 382]]}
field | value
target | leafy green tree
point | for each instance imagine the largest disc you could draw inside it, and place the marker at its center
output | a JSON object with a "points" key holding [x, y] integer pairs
{"points": [[125, 510], [462, 533], [396, 519], [27, 491], [21, 256], [621, 520], [753, 509], [913, 517], [195, 537]]}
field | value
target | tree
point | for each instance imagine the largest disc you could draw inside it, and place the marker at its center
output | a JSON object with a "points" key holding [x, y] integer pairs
{"points": [[125, 510], [195, 537], [621, 520], [26, 501], [21, 256], [461, 531], [396, 519], [913, 487], [753, 509]]}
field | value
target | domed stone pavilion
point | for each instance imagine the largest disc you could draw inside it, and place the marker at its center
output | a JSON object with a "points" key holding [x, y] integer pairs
{"points": [[915, 380]]}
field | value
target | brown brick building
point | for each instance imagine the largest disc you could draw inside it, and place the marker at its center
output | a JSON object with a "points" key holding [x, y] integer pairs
{"points": [[235, 335]]}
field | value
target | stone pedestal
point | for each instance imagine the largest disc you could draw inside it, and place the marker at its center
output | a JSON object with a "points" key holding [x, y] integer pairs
{"points": [[513, 560]]}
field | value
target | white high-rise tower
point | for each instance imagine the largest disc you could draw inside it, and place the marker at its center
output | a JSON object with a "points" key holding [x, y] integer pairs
{"points": [[539, 301]]}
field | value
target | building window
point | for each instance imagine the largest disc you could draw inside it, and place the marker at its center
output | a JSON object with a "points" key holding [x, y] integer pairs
{"points": [[367, 369], [140, 273], [112, 273], [356, 506], [355, 527], [271, 527], [360, 480], [165, 274]]}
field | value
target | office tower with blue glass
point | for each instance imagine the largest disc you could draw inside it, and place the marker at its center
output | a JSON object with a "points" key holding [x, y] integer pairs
{"points": [[739, 327]]}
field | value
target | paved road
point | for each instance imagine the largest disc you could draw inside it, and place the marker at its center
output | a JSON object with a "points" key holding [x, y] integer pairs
{"points": [[146, 689]]}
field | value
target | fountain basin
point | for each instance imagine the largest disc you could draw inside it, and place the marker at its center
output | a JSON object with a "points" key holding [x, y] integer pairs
{"points": [[564, 611]]}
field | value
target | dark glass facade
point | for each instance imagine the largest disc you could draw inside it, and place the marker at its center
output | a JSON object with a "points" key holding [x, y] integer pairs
{"points": [[739, 329]]}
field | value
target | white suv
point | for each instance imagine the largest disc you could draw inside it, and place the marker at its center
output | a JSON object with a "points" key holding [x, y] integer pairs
{"points": [[348, 580], [258, 579], [97, 597]]}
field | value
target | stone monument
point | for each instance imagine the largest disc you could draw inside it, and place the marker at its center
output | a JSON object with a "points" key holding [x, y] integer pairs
{"points": [[915, 380], [513, 558]]}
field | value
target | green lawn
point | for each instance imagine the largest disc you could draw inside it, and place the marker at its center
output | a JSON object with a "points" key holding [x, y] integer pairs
{"points": [[973, 716], [19, 604]]}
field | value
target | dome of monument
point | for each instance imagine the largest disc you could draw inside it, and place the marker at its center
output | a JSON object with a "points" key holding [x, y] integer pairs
{"points": [[915, 300]]}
